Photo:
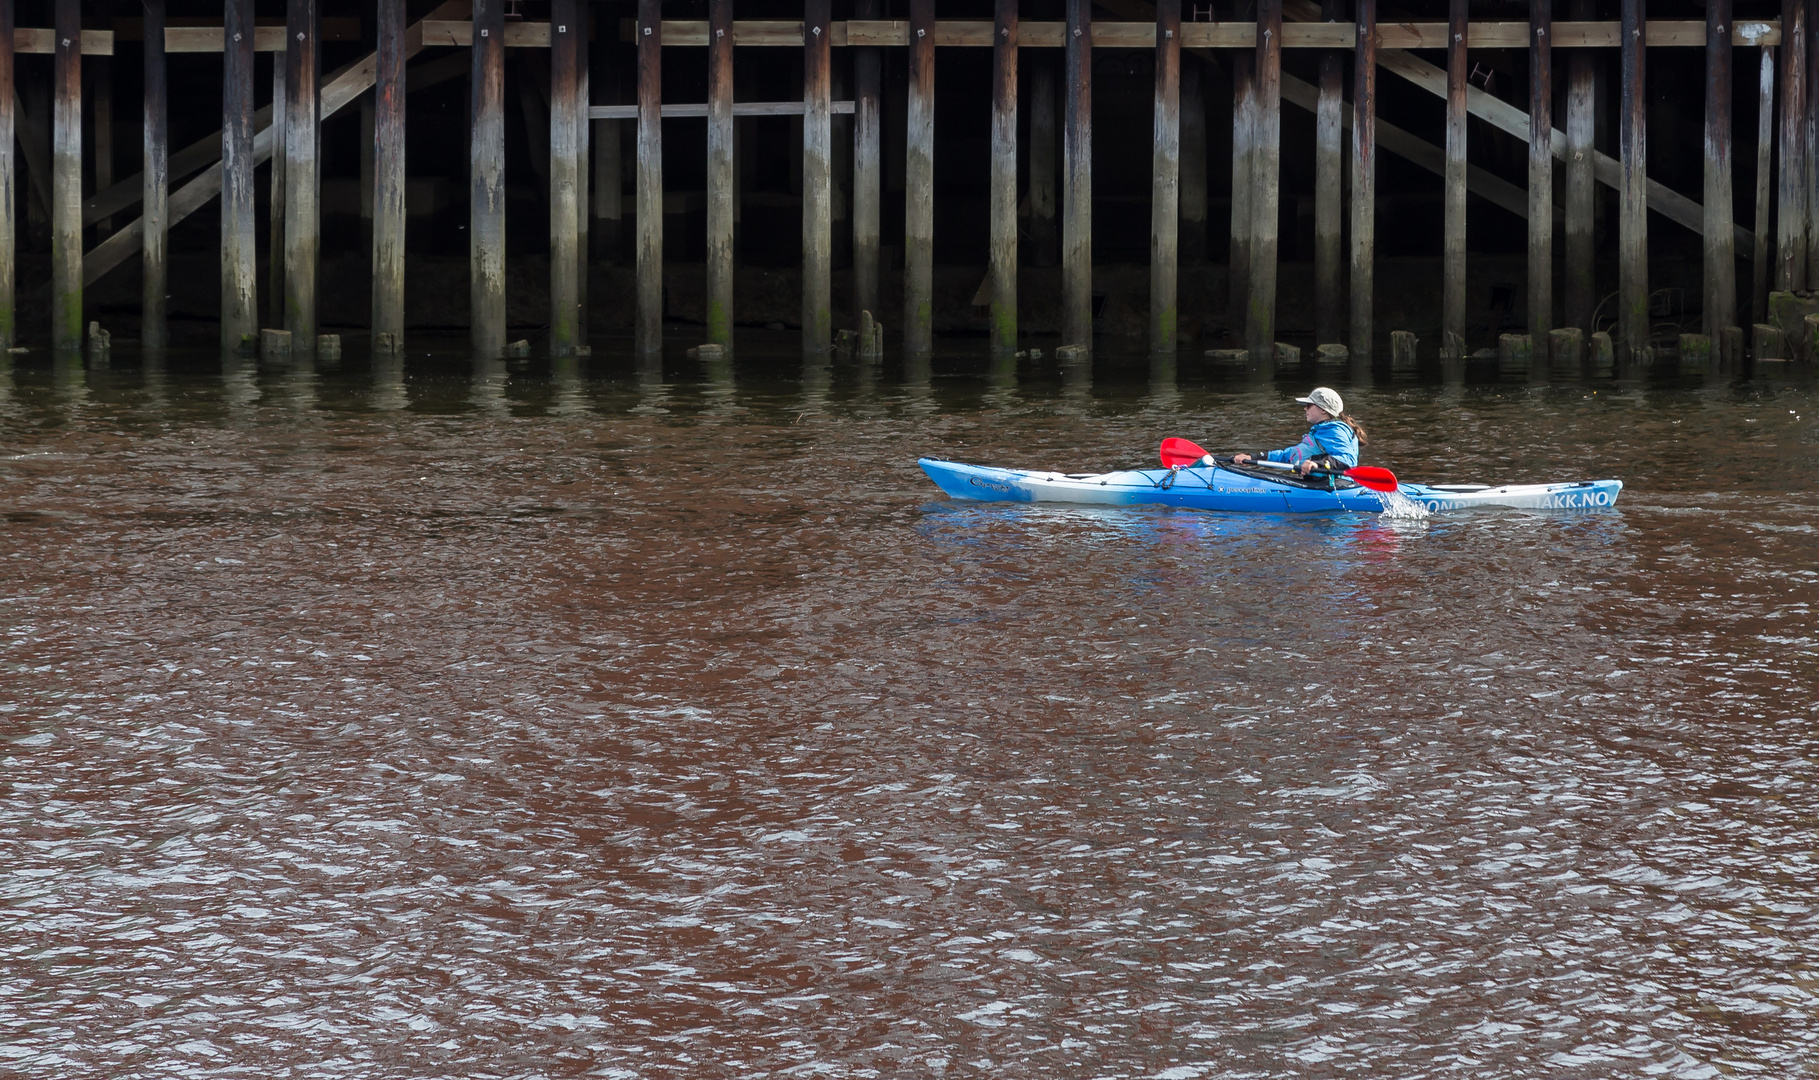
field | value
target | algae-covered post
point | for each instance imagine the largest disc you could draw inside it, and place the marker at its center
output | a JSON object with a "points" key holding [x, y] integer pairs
{"points": [[1790, 220], [1720, 306], [302, 209], [1580, 189], [154, 180], [1260, 318], [868, 178], [817, 178], [649, 30], [1328, 185], [66, 179], [1364, 181], [1077, 180], [919, 183], [1765, 147], [720, 172], [388, 174], [9, 230], [1540, 172], [239, 239], [1165, 174], [274, 259], [1632, 212], [1003, 197], [1452, 270], [564, 178], [486, 181]]}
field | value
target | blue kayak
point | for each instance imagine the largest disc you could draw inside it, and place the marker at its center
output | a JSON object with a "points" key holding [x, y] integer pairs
{"points": [[1254, 490]]}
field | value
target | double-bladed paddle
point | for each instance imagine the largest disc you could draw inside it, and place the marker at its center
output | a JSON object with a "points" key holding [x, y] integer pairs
{"points": [[1179, 453]]}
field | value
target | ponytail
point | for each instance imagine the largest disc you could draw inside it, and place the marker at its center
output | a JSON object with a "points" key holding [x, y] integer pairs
{"points": [[1357, 428]]}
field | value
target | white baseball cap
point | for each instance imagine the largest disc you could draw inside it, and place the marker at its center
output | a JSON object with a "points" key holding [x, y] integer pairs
{"points": [[1325, 399]]}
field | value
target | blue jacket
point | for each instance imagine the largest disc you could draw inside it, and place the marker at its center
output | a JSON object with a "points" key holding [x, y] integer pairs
{"points": [[1333, 438]]}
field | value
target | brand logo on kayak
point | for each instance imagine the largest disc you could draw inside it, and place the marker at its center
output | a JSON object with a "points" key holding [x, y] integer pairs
{"points": [[1582, 500], [992, 485]]}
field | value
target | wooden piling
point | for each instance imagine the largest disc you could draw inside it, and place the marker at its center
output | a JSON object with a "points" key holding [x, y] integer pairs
{"points": [[1452, 286], [486, 182], [1260, 317], [1578, 277], [1077, 180], [1632, 234], [1790, 215], [1165, 174], [1244, 150], [720, 172], [239, 225], [650, 176], [868, 176], [154, 330], [1002, 336], [1402, 349], [565, 120], [583, 158], [274, 286], [302, 209], [1192, 228], [1329, 165], [1809, 147], [66, 180], [1364, 181], [919, 194], [1044, 233], [388, 174], [817, 178], [1540, 172], [1720, 306], [9, 222], [101, 87], [1765, 148]]}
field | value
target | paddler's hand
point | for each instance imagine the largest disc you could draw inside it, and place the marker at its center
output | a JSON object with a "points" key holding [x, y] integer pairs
{"points": [[1241, 459], [1305, 467]]}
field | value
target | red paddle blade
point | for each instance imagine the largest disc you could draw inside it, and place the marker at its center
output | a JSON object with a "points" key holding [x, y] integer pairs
{"points": [[1370, 476], [1177, 452]]}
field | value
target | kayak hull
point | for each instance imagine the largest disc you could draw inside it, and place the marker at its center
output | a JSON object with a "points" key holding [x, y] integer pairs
{"points": [[1213, 488]]}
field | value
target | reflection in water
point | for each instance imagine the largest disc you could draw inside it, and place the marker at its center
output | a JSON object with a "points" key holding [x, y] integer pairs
{"points": [[918, 386], [388, 392], [565, 379], [300, 384], [489, 380], [817, 381], [1001, 382], [720, 391], [70, 378], [157, 383], [653, 392], [8, 396], [1077, 385], [1164, 395], [239, 386]]}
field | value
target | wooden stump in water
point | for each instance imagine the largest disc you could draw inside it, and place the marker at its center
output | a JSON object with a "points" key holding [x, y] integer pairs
{"points": [[1402, 348], [1566, 345]]}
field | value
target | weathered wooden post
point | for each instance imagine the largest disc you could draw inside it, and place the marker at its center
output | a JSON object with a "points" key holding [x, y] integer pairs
{"points": [[565, 120], [1077, 180], [1809, 147], [274, 258], [1540, 174], [1579, 278], [1720, 306], [1632, 235], [1003, 194], [1193, 163], [1452, 287], [239, 237], [486, 181], [1765, 148], [1364, 181], [868, 177], [817, 178], [720, 172], [919, 184], [154, 333], [650, 176], [9, 223], [1045, 238], [1260, 320], [1790, 219], [66, 180], [1165, 174], [584, 149], [1328, 187], [1244, 154], [302, 209], [388, 177]]}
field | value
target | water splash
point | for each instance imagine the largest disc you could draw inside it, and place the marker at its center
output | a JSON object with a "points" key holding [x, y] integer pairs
{"points": [[1398, 505]]}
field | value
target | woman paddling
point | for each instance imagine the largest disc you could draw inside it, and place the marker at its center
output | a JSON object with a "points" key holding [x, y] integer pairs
{"points": [[1331, 442]]}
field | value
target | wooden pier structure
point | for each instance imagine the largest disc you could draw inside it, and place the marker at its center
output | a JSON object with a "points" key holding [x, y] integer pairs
{"points": [[1547, 120]]}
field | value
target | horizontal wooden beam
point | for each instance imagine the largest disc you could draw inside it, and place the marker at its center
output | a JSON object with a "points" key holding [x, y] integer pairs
{"points": [[740, 108], [1230, 35]]}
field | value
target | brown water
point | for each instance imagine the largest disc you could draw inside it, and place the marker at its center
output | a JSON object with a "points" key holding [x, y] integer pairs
{"points": [[502, 722]]}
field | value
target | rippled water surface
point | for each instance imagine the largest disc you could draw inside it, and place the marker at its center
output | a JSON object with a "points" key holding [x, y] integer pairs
{"points": [[621, 721]]}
